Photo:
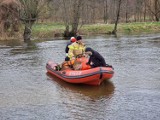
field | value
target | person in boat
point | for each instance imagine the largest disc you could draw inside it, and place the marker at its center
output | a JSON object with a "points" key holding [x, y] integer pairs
{"points": [[69, 65], [95, 59], [76, 49], [72, 40]]}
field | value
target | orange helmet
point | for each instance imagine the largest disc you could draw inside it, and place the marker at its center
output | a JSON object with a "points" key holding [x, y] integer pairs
{"points": [[73, 39]]}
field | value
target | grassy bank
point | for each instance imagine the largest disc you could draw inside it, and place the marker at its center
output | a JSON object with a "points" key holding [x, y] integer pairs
{"points": [[49, 30]]}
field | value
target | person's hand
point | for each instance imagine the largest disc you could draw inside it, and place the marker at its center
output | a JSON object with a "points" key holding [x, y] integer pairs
{"points": [[73, 58], [83, 55], [86, 55]]}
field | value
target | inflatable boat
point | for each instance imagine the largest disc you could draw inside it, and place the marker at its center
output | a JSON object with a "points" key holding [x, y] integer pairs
{"points": [[93, 76]]}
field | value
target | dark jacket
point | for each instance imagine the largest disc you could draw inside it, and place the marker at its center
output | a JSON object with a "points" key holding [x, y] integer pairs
{"points": [[96, 59], [67, 49]]}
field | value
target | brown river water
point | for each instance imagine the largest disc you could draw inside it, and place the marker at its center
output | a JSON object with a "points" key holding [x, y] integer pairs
{"points": [[27, 92]]}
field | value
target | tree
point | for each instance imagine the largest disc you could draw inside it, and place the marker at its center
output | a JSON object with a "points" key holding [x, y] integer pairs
{"points": [[154, 8], [76, 16], [105, 11], [117, 17], [72, 19], [9, 19], [29, 13]]}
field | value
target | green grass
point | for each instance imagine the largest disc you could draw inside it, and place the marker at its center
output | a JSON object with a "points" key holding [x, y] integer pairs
{"points": [[96, 28], [47, 26], [139, 27], [47, 29], [51, 29]]}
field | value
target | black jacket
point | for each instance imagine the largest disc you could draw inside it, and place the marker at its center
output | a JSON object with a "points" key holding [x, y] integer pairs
{"points": [[67, 49], [96, 59]]}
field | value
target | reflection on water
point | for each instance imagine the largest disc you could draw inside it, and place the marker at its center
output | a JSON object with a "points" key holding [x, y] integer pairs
{"points": [[94, 92], [28, 93], [25, 48], [10, 43]]}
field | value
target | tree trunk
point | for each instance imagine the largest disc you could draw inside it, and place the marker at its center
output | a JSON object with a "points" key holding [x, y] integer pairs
{"points": [[105, 11], [76, 17], [145, 11], [117, 19], [156, 10], [67, 33], [126, 11], [27, 32], [66, 20]]}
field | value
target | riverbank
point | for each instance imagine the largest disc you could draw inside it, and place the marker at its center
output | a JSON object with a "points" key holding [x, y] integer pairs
{"points": [[50, 30]]}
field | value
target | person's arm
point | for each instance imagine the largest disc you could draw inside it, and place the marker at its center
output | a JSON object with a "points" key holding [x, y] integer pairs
{"points": [[67, 49], [70, 52], [89, 61]]}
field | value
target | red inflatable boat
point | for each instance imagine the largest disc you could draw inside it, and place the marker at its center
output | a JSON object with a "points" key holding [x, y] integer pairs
{"points": [[93, 76]]}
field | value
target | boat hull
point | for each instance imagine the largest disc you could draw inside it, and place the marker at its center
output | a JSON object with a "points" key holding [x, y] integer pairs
{"points": [[94, 76]]}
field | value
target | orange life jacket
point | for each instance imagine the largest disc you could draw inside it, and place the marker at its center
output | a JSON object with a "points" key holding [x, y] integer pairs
{"points": [[84, 60], [68, 63]]}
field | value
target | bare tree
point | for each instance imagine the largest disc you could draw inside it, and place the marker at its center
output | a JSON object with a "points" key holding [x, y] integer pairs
{"points": [[73, 19], [127, 11], [66, 18], [75, 13], [9, 18], [29, 13], [117, 17], [154, 8], [105, 11]]}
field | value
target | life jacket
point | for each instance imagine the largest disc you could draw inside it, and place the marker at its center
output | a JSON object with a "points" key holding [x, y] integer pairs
{"points": [[83, 61], [68, 63], [76, 49]]}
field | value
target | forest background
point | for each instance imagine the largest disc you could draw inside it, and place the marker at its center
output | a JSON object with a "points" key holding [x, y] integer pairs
{"points": [[65, 18]]}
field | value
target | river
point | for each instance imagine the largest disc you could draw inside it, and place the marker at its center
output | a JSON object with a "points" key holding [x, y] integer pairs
{"points": [[27, 92]]}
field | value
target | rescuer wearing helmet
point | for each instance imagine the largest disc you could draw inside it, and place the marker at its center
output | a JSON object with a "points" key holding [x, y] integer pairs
{"points": [[72, 40], [76, 49]]}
